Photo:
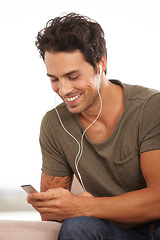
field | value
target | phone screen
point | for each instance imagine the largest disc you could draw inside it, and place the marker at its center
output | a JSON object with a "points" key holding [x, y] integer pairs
{"points": [[29, 189]]}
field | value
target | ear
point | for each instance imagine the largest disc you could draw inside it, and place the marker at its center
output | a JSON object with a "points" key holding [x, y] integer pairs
{"points": [[103, 64]]}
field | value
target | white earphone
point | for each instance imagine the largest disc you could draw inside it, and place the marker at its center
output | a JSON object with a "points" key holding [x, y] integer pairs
{"points": [[100, 74], [100, 70]]}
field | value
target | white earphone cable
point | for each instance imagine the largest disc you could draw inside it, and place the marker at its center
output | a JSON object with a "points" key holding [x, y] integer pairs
{"points": [[80, 145]]}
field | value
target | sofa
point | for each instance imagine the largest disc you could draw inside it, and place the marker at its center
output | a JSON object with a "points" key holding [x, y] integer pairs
{"points": [[33, 230]]}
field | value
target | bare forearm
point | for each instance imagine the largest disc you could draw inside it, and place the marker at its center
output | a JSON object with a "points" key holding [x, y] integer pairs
{"points": [[133, 207], [48, 182], [130, 208], [51, 182]]}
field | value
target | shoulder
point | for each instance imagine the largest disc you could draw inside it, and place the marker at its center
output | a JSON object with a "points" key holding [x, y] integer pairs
{"points": [[146, 99], [52, 115], [151, 106], [140, 92], [137, 92], [55, 118]]}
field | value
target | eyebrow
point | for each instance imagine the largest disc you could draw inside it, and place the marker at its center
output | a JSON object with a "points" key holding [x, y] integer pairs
{"points": [[66, 74]]}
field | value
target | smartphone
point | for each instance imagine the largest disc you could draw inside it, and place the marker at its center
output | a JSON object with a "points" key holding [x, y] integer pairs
{"points": [[29, 189]]}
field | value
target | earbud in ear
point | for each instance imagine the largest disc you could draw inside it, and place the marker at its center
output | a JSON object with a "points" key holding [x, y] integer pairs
{"points": [[100, 70]]}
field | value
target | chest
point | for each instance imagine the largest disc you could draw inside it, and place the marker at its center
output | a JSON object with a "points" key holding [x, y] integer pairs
{"points": [[99, 133], [103, 128]]}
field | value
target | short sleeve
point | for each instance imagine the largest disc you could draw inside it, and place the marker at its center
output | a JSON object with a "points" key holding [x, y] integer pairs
{"points": [[150, 125], [53, 162]]}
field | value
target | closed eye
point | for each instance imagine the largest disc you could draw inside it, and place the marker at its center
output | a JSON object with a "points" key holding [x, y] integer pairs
{"points": [[73, 78], [54, 79]]}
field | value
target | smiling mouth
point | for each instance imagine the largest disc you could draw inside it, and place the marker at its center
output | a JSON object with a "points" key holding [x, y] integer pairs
{"points": [[71, 99]]}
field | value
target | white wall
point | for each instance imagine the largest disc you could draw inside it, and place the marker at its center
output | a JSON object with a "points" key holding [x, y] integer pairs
{"points": [[132, 30]]}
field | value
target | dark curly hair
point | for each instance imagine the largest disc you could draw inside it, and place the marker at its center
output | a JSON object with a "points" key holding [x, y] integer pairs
{"points": [[73, 32]]}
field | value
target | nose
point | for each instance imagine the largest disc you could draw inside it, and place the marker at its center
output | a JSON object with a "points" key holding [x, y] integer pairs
{"points": [[65, 87]]}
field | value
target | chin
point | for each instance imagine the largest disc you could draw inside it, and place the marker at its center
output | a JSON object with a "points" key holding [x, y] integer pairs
{"points": [[74, 110]]}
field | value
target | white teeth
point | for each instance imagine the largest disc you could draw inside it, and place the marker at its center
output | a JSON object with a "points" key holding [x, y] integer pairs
{"points": [[72, 98]]}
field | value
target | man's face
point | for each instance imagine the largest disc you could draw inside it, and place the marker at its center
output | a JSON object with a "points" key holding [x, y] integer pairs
{"points": [[73, 79]]}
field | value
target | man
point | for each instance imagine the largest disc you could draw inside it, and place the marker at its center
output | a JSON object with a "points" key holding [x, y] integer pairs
{"points": [[106, 133]]}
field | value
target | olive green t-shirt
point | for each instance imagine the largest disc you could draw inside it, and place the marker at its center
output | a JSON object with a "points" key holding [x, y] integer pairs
{"points": [[112, 167]]}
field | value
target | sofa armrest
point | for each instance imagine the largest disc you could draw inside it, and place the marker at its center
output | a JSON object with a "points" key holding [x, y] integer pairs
{"points": [[28, 230], [33, 230]]}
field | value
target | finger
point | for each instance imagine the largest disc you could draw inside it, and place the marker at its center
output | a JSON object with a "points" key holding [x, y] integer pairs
{"points": [[49, 212], [42, 196], [41, 206], [44, 204], [49, 194]]}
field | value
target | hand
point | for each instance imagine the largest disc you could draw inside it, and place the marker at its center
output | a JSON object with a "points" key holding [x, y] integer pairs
{"points": [[56, 204]]}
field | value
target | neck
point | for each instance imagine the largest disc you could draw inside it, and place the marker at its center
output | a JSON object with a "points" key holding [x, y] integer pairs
{"points": [[112, 97]]}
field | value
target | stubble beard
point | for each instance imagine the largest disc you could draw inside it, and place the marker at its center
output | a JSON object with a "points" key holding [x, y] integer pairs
{"points": [[85, 105]]}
